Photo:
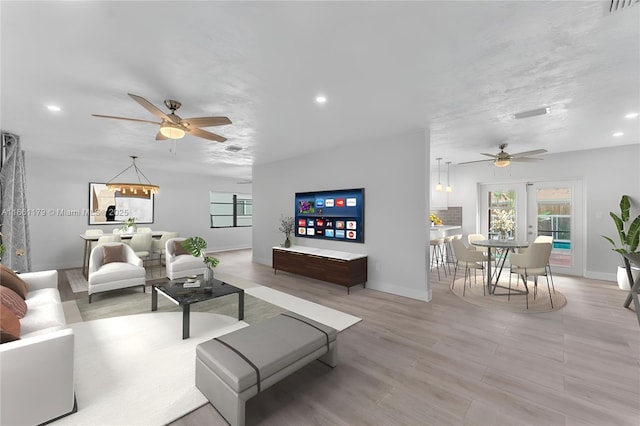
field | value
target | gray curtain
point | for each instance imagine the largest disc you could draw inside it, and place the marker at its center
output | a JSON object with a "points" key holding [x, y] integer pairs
{"points": [[14, 217]]}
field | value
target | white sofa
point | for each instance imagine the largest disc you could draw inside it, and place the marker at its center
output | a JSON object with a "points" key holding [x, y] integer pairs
{"points": [[36, 371], [181, 265]]}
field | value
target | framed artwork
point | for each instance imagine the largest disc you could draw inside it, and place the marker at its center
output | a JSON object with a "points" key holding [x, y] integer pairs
{"points": [[107, 207]]}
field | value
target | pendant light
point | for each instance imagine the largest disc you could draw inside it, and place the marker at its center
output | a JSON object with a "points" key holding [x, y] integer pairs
{"points": [[439, 185], [448, 181], [139, 189]]}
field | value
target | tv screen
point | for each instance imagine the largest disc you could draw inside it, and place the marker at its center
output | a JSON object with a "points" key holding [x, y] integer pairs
{"points": [[331, 215]]}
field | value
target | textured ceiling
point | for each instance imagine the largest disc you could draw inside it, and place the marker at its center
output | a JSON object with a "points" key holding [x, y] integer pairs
{"points": [[460, 69]]}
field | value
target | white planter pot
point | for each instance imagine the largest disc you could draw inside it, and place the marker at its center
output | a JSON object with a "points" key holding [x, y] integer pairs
{"points": [[623, 280]]}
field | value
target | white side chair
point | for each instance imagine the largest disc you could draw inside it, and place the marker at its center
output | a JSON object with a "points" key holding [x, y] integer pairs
{"points": [[532, 263], [468, 259], [141, 245], [181, 265], [122, 269], [144, 229], [158, 246]]}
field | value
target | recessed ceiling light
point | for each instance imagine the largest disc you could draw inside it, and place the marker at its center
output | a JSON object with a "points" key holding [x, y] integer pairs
{"points": [[55, 108], [617, 134], [631, 115], [321, 99]]}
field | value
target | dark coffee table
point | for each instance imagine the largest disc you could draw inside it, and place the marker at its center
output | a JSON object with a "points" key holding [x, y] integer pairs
{"points": [[185, 297]]}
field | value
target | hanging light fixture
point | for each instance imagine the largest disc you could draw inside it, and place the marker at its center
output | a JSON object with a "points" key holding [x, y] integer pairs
{"points": [[171, 130], [439, 185], [139, 188], [448, 182]]}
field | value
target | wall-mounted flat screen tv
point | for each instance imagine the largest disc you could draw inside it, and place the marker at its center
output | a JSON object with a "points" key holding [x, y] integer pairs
{"points": [[331, 215]]}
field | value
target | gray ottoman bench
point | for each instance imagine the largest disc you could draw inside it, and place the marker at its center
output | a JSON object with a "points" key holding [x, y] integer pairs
{"points": [[232, 368]]}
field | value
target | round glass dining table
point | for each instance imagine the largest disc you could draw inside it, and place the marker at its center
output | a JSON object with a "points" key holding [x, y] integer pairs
{"points": [[501, 249]]}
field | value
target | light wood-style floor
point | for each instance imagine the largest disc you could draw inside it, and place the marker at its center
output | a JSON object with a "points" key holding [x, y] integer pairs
{"points": [[448, 362]]}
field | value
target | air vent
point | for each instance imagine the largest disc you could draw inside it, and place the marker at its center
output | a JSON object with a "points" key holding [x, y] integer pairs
{"points": [[618, 5], [233, 148], [531, 113]]}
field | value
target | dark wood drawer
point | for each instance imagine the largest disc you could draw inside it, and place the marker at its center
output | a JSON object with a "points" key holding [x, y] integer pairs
{"points": [[338, 271]]}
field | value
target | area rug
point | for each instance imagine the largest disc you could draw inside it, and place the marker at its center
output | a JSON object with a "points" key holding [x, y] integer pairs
{"points": [[514, 303], [132, 366], [137, 370]]}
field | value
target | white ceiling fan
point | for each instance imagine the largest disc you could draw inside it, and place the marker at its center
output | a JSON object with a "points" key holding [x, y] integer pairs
{"points": [[503, 159]]}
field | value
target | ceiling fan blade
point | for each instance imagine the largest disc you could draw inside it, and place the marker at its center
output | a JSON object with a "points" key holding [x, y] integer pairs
{"points": [[527, 153], [488, 155], [206, 121], [151, 107], [477, 161], [525, 160], [124, 118], [160, 136], [206, 135]]}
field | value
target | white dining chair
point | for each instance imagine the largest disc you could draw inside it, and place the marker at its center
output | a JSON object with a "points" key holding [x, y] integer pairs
{"points": [[468, 259], [531, 263], [158, 246], [108, 239], [544, 239], [141, 244]]}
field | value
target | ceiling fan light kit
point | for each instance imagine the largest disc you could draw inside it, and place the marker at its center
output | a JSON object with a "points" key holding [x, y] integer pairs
{"points": [[172, 131], [128, 188]]}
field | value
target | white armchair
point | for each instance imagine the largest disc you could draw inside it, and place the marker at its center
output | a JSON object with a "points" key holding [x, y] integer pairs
{"points": [[181, 265], [120, 272]]}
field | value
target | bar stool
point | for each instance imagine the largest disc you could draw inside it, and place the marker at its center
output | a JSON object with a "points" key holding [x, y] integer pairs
{"points": [[449, 255], [437, 255]]}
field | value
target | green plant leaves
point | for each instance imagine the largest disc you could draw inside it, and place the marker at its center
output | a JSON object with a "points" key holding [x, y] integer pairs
{"points": [[625, 206], [629, 238], [195, 246]]}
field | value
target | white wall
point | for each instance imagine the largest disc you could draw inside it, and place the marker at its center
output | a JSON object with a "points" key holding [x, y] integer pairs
{"points": [[394, 176], [607, 174], [182, 205]]}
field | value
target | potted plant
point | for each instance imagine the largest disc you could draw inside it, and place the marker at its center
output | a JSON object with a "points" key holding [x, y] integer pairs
{"points": [[195, 246], [129, 225], [629, 238], [286, 225]]}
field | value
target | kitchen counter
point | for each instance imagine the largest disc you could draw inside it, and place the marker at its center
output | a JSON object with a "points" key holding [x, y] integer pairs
{"points": [[442, 230]]}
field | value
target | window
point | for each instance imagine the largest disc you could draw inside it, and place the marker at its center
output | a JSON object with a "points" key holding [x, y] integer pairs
{"points": [[230, 210]]}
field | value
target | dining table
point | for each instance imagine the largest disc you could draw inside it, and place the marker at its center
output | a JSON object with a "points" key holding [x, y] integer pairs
{"points": [[92, 238], [501, 249]]}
